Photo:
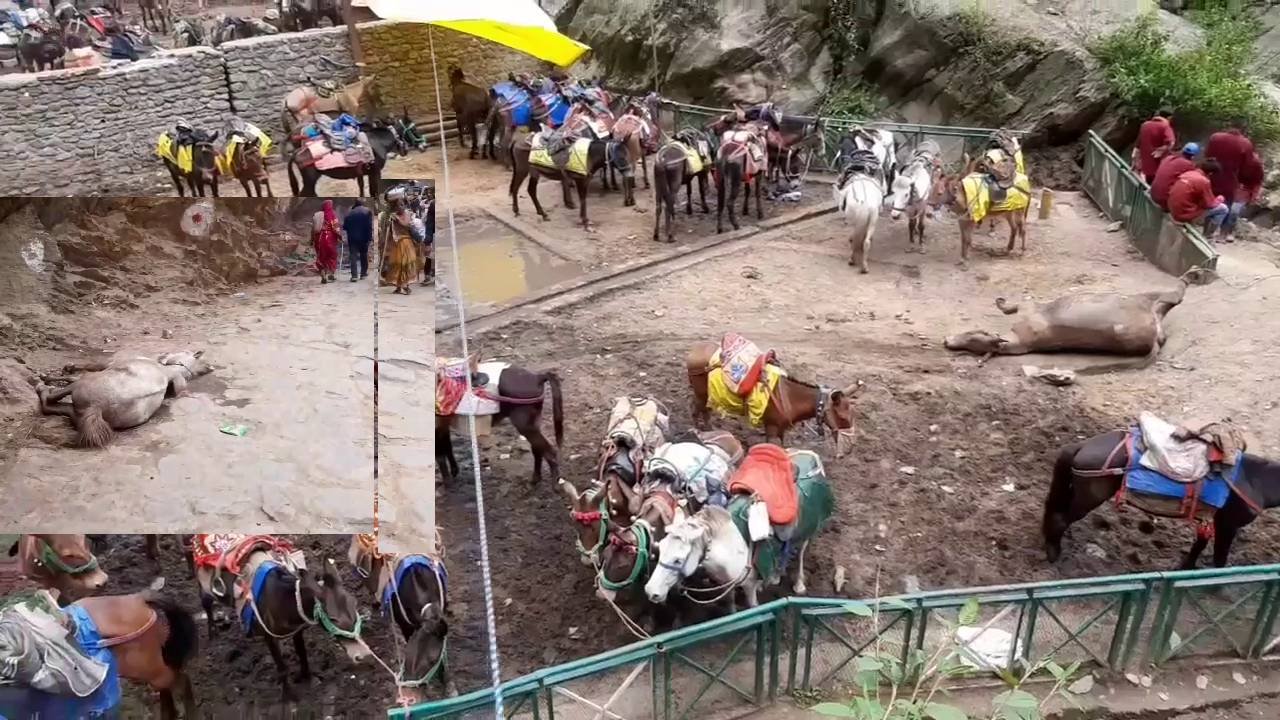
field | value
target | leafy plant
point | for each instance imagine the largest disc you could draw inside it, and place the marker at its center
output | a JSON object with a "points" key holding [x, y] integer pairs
{"points": [[1208, 85], [891, 688], [850, 100]]}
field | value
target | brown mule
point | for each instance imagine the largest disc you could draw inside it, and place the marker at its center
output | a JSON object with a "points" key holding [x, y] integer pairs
{"points": [[792, 401], [151, 640], [520, 399], [953, 195], [248, 166], [470, 109], [60, 562]]}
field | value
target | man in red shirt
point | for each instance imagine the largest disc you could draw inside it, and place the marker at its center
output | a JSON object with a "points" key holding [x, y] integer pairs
{"points": [[1191, 198], [1170, 168], [1155, 140], [1231, 149], [1251, 177]]}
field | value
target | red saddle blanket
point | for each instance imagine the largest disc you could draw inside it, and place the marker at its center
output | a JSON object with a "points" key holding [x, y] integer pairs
{"points": [[228, 550], [743, 363], [766, 472]]}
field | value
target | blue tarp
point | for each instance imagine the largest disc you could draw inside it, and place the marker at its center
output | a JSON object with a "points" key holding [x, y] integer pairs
{"points": [[1214, 492]]}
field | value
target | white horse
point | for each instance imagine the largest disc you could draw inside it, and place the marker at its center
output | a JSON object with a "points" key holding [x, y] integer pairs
{"points": [[707, 541], [121, 393], [710, 542], [859, 201], [912, 190]]}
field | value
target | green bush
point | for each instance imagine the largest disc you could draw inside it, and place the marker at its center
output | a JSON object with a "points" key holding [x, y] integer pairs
{"points": [[1208, 85], [851, 100]]}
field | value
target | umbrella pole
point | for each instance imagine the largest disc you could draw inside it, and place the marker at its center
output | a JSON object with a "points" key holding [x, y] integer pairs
{"points": [[491, 623]]}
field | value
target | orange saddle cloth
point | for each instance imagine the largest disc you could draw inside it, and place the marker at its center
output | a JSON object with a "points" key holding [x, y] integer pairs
{"points": [[766, 472], [229, 549]]}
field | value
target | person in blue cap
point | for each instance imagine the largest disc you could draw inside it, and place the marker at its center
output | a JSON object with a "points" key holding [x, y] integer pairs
{"points": [[1170, 168]]}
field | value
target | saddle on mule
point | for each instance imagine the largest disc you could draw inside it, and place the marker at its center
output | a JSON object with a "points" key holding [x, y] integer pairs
{"points": [[793, 486], [637, 426], [55, 664], [1001, 164], [570, 157], [692, 470], [748, 143], [452, 395], [1179, 473], [860, 162], [741, 379]]}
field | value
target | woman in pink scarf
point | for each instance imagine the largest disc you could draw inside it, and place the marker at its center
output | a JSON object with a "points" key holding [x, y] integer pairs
{"points": [[326, 235]]}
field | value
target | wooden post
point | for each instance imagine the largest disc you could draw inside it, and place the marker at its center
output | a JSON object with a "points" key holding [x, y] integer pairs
{"points": [[1046, 204], [353, 37]]}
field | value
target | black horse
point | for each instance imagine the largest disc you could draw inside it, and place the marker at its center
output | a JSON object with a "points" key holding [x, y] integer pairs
{"points": [[520, 399], [381, 139], [1089, 473]]}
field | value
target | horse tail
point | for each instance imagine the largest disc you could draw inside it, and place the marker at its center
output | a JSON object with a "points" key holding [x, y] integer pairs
{"points": [[94, 430], [183, 640], [557, 404]]}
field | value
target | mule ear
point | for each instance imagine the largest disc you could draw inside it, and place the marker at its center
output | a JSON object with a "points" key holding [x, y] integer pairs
{"points": [[198, 353], [855, 388], [569, 491], [13, 549]]}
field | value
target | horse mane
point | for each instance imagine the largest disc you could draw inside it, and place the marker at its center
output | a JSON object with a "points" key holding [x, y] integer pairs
{"points": [[713, 519]]}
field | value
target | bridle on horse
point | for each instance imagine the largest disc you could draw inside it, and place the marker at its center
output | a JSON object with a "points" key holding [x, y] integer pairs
{"points": [[48, 558], [588, 517], [643, 534]]}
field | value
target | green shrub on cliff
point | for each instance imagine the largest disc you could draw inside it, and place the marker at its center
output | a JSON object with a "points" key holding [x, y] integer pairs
{"points": [[1210, 84]]}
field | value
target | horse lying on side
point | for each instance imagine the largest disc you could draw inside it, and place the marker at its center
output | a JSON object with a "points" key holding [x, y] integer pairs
{"points": [[120, 394]]}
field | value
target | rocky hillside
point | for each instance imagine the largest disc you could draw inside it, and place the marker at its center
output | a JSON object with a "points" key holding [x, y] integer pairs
{"points": [[1018, 63]]}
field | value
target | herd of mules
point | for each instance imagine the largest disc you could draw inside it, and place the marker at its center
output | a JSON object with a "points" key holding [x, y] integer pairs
{"points": [[154, 639], [626, 520]]}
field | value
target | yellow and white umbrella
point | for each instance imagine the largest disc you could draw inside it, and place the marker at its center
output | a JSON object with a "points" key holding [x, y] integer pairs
{"points": [[518, 24]]}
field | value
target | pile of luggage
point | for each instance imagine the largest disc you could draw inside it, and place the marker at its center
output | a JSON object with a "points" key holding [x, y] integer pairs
{"points": [[324, 141]]}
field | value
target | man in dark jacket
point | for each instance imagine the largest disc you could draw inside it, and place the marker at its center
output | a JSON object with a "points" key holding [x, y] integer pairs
{"points": [[358, 225], [428, 255]]}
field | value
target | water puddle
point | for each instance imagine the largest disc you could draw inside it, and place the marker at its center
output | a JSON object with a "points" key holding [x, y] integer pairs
{"points": [[497, 265]]}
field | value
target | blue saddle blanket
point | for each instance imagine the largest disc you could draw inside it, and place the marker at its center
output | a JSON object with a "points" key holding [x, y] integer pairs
{"points": [[1214, 489], [510, 93], [247, 618], [107, 696], [407, 563], [558, 107]]}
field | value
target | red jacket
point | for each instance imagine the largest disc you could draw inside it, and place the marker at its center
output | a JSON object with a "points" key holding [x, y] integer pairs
{"points": [[1231, 150], [1190, 196], [1154, 134], [1251, 177], [1170, 169]]}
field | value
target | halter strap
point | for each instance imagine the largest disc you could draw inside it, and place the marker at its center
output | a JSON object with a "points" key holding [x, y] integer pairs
{"points": [[642, 534], [50, 559], [584, 519]]}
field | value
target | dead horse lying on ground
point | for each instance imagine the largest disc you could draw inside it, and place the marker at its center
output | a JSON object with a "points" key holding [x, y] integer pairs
{"points": [[120, 394], [520, 400], [1089, 473], [1107, 323]]}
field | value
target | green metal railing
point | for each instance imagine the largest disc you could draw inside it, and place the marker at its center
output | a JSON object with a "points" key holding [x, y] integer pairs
{"points": [[744, 660], [1112, 184], [954, 141]]}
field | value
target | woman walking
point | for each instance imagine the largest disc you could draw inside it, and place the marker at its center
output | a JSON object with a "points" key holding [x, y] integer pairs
{"points": [[402, 251], [326, 238]]}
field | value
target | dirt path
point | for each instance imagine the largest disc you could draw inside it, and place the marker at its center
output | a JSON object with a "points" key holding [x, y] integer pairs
{"points": [[290, 365], [961, 431], [286, 367]]}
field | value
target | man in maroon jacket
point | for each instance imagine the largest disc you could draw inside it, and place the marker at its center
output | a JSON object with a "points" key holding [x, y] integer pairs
{"points": [[1155, 140], [1232, 150], [1170, 169]]}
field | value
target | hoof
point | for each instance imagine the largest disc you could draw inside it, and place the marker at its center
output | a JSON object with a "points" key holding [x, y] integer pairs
{"points": [[863, 271], [800, 589], [852, 263]]}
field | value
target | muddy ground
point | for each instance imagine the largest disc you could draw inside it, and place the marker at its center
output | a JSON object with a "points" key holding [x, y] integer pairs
{"points": [[234, 675], [86, 279], [922, 499]]}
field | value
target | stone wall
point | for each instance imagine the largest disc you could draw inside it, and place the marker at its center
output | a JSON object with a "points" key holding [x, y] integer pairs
{"points": [[262, 70], [94, 131], [398, 55]]}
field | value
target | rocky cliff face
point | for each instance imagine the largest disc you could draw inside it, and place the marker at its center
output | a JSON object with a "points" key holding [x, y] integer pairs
{"points": [[708, 51], [1021, 63]]}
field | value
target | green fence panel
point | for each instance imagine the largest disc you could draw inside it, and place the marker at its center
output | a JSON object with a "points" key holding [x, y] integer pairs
{"points": [[736, 663], [1122, 196]]}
